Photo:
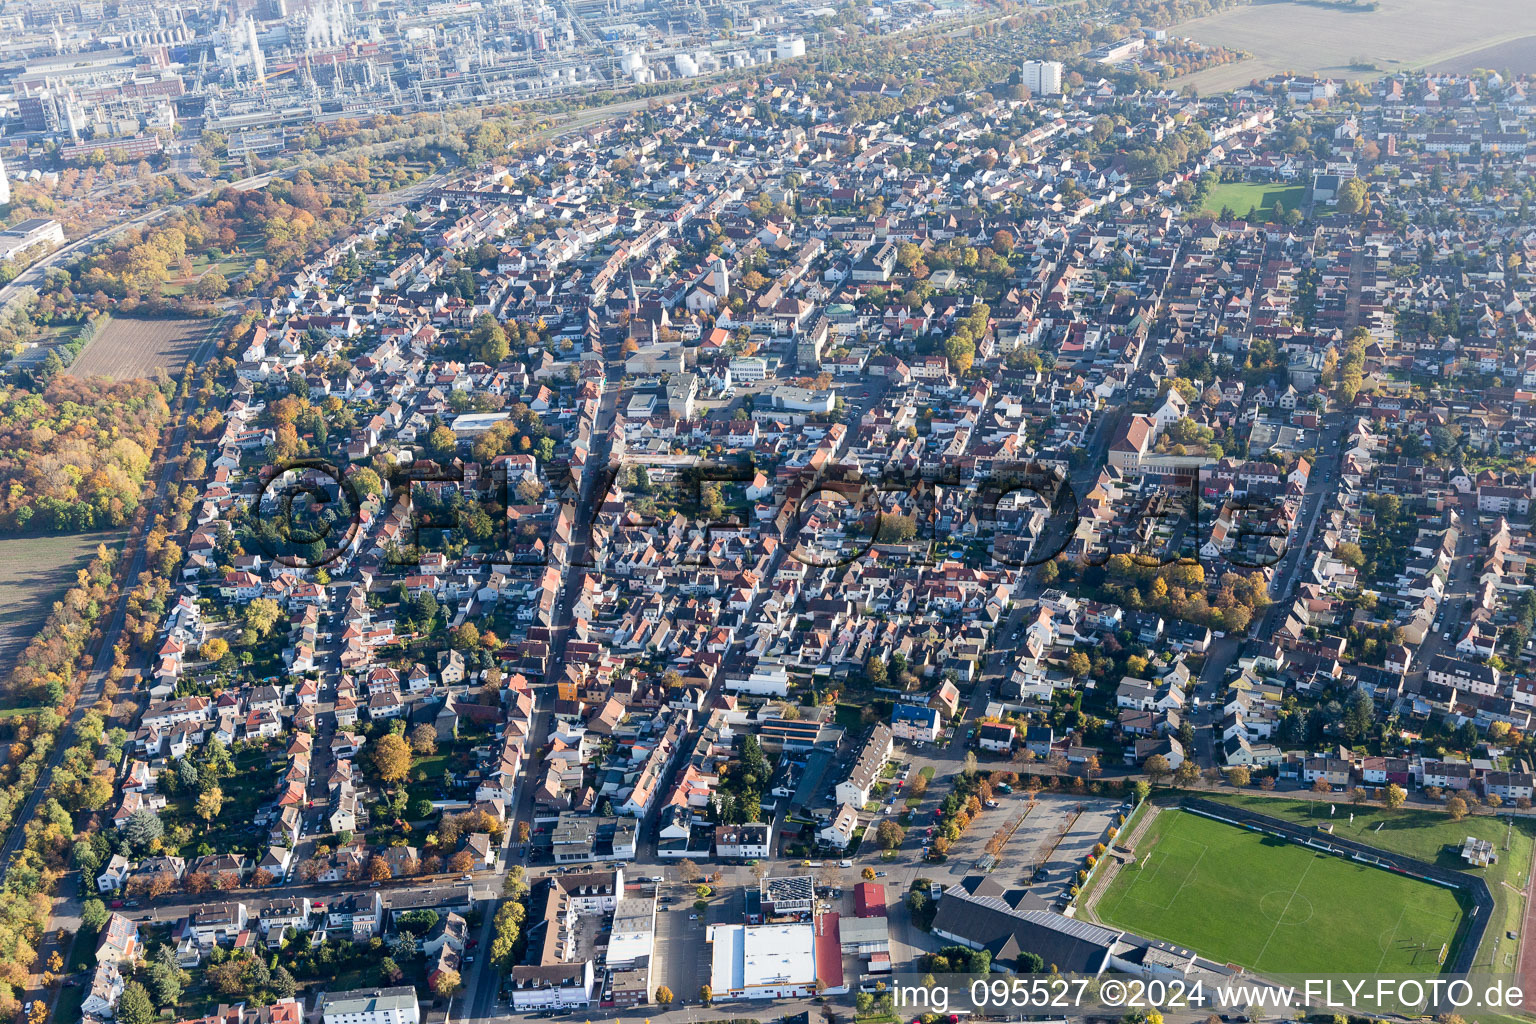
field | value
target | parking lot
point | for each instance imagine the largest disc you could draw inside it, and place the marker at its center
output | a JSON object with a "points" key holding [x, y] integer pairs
{"points": [[1046, 859], [681, 957], [971, 847]]}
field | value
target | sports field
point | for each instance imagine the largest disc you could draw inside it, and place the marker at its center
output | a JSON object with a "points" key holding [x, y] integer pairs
{"points": [[1240, 897], [1240, 197]]}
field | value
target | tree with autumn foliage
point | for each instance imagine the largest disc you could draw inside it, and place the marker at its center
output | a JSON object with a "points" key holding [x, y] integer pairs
{"points": [[390, 756]]}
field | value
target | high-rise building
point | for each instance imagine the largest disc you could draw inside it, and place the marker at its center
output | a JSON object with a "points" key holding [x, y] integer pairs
{"points": [[5, 185], [1041, 77]]}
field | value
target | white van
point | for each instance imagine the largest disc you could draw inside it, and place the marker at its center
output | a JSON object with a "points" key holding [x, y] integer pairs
{"points": [[845, 863]]}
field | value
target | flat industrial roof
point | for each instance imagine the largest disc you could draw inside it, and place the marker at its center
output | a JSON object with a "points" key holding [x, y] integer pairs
{"points": [[779, 954], [752, 956], [633, 934], [726, 944]]}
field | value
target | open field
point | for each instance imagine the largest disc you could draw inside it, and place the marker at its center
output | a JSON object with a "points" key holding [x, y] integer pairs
{"points": [[1240, 197], [131, 348], [1284, 908], [1516, 55], [1400, 35], [34, 573]]}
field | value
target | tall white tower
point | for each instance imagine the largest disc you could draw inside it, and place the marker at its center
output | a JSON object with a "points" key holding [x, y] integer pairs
{"points": [[258, 59], [5, 185]]}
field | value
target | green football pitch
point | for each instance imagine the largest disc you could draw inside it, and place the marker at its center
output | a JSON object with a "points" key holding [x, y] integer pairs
{"points": [[1241, 897]]}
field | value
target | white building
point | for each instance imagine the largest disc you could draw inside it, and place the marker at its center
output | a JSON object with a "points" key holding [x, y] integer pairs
{"points": [[106, 987], [768, 678], [655, 359], [1041, 77], [749, 369], [371, 1006], [29, 233], [743, 842], [772, 961], [789, 47], [787, 396], [473, 424]]}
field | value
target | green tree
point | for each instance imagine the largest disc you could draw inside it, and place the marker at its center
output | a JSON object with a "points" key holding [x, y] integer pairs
{"points": [[261, 615], [142, 828], [1354, 197], [489, 340], [166, 976], [85, 858], [135, 1006], [442, 443], [1350, 554], [93, 915], [283, 984]]}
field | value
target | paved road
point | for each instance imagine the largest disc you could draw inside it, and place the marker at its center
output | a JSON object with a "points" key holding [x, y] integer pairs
{"points": [[1461, 586], [1322, 487]]}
